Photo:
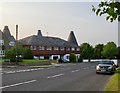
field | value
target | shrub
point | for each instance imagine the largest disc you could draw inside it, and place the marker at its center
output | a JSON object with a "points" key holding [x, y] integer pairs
{"points": [[72, 57], [14, 60], [80, 60]]}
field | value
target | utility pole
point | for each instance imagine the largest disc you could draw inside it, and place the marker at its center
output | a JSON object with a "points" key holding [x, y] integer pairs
{"points": [[16, 43]]}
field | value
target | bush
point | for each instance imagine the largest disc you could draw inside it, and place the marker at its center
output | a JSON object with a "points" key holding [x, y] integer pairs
{"points": [[14, 60], [80, 60], [60, 60], [72, 58]]}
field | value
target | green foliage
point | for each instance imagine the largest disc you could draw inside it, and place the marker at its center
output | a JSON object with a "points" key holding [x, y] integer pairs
{"points": [[87, 51], [27, 54], [118, 55], [19, 52], [97, 51], [111, 8], [109, 50], [72, 57]]}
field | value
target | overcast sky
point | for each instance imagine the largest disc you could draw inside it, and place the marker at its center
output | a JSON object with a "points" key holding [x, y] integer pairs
{"points": [[58, 19]]}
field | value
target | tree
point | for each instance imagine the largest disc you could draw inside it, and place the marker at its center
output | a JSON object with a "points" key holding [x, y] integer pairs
{"points": [[97, 51], [27, 54], [87, 51], [118, 55], [111, 8], [19, 52], [109, 50], [72, 57]]}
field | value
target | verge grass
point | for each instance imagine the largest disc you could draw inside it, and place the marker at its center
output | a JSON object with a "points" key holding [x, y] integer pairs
{"points": [[33, 60], [114, 82]]}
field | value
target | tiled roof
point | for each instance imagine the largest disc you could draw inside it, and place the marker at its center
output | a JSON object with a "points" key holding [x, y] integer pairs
{"points": [[46, 41]]}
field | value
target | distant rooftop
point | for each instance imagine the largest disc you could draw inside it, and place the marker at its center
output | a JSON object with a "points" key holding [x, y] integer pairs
{"points": [[8, 35], [48, 41]]}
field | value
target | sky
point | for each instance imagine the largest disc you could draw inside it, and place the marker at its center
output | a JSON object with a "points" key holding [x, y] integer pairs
{"points": [[58, 19]]}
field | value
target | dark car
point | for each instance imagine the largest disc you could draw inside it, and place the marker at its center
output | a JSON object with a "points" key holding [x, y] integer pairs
{"points": [[105, 67]]}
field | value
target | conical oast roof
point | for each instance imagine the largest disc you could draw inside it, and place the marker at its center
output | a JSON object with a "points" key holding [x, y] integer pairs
{"points": [[72, 38], [6, 42], [8, 35]]}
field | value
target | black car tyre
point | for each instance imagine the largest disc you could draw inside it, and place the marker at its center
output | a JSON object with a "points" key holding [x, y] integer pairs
{"points": [[97, 72]]}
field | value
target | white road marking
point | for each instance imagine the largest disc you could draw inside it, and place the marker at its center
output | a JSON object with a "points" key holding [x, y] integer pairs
{"points": [[18, 84], [10, 72], [75, 71], [18, 71], [55, 76], [84, 68]]}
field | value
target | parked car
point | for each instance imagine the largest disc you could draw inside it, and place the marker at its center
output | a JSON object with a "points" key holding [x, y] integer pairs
{"points": [[105, 67]]}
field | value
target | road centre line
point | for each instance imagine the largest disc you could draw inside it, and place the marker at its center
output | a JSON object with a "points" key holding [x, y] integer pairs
{"points": [[55, 76], [17, 84], [75, 70], [27, 70]]}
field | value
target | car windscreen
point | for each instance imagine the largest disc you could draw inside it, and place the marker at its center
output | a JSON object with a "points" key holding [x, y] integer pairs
{"points": [[106, 62]]}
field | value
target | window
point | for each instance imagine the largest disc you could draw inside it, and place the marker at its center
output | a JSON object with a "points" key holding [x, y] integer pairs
{"points": [[41, 48], [73, 49], [48, 48], [2, 52], [33, 47], [62, 48], [12, 43], [68, 49], [78, 49], [1, 42], [56, 48]]}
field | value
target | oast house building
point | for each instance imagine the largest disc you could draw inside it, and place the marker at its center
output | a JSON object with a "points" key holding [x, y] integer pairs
{"points": [[6, 41], [45, 47]]}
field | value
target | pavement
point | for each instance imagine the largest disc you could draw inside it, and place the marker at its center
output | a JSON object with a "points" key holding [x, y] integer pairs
{"points": [[60, 77]]}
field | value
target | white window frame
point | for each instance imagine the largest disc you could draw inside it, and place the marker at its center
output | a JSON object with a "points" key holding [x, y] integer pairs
{"points": [[73, 48], [33, 47], [41, 48], [11, 44], [1, 42], [48, 48], [78, 49], [68, 49], [56, 48], [2, 52], [62, 48]]}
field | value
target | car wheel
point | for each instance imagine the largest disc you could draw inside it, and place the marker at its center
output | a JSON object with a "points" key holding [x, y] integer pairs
{"points": [[112, 72], [97, 72]]}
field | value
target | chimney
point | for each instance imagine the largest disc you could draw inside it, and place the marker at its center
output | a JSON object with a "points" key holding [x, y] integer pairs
{"points": [[39, 33], [16, 32]]}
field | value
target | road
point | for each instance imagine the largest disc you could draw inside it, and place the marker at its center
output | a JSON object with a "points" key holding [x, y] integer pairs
{"points": [[66, 77]]}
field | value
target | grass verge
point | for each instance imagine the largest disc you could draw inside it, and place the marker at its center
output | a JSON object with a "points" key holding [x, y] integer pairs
{"points": [[33, 60], [114, 82]]}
